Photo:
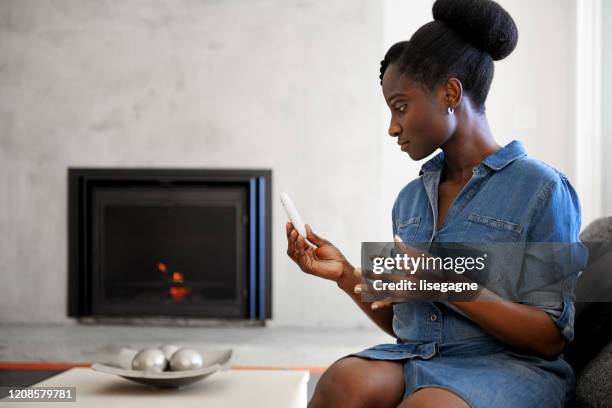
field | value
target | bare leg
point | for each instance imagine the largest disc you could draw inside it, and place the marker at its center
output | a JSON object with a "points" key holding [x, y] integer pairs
{"points": [[433, 397], [353, 382]]}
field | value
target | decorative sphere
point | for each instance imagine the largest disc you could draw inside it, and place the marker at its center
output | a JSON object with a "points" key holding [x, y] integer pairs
{"points": [[150, 359], [169, 349], [186, 359], [125, 358]]}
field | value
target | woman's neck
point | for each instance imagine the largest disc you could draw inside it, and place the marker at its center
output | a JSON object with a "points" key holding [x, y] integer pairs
{"points": [[471, 143]]}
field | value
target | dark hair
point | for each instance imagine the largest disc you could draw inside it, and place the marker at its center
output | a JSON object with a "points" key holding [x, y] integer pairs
{"points": [[464, 39]]}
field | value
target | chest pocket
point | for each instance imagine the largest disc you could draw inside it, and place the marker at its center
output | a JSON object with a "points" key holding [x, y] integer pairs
{"points": [[407, 229], [482, 228], [499, 239]]}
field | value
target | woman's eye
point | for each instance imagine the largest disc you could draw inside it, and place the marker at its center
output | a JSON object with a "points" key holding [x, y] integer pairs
{"points": [[401, 108]]}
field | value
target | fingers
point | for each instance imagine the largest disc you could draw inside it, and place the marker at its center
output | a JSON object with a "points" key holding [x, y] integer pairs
{"points": [[390, 288], [314, 238], [379, 304], [289, 229], [292, 236], [299, 250], [403, 248], [363, 288], [301, 246], [400, 246], [368, 273], [295, 238]]}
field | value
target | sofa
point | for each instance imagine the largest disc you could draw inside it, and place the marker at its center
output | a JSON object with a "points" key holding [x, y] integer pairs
{"points": [[590, 353]]}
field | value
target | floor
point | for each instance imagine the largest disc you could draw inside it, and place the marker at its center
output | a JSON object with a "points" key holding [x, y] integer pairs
{"points": [[50, 347]]}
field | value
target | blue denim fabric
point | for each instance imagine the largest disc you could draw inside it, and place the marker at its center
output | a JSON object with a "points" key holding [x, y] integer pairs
{"points": [[510, 198]]}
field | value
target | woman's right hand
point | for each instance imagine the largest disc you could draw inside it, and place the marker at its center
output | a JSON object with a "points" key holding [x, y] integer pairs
{"points": [[325, 261]]}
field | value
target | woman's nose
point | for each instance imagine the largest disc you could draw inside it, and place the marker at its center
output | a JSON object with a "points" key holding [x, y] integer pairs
{"points": [[394, 129]]}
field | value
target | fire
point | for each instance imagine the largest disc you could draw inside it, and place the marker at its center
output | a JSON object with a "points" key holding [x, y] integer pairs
{"points": [[177, 277], [179, 293], [176, 292]]}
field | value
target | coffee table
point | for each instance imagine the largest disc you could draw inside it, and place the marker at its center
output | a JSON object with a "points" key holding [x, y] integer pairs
{"points": [[226, 389]]}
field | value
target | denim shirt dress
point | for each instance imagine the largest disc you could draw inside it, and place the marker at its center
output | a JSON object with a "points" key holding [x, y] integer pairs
{"points": [[510, 198]]}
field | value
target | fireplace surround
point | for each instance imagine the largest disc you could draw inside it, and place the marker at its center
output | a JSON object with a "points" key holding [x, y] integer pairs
{"points": [[169, 243]]}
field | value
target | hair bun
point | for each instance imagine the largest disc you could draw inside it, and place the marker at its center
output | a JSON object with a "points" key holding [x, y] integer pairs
{"points": [[482, 23]]}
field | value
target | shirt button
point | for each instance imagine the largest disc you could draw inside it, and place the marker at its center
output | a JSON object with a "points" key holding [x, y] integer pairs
{"points": [[433, 317]]}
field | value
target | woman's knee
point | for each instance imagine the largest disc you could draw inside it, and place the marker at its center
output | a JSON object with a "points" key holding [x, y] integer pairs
{"points": [[433, 397], [359, 382]]}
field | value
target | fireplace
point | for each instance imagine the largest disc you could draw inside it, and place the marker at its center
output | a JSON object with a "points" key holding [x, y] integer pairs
{"points": [[189, 243]]}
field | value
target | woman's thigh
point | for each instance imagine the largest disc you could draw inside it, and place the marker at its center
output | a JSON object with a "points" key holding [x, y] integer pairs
{"points": [[359, 382], [433, 397]]}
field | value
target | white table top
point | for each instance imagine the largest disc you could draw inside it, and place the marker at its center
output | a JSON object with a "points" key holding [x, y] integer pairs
{"points": [[226, 389]]}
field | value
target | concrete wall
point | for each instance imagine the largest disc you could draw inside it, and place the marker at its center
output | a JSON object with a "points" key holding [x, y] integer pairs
{"points": [[607, 104], [287, 85], [532, 94]]}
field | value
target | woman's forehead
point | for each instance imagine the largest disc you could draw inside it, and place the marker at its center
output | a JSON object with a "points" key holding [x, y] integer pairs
{"points": [[396, 84]]}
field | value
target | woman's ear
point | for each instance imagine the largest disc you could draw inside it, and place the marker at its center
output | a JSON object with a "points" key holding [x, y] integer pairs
{"points": [[453, 93]]}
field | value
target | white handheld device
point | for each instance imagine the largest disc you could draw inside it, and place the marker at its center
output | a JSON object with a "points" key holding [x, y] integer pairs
{"points": [[294, 217], [293, 214]]}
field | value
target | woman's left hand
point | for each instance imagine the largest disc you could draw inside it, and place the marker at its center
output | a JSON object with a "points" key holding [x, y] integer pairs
{"points": [[386, 298], [389, 297]]}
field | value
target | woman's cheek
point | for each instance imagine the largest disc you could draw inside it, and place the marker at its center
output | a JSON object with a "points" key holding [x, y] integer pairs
{"points": [[419, 127], [425, 135], [438, 129]]}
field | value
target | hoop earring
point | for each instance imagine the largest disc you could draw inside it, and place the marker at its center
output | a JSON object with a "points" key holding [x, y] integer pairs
{"points": [[450, 110]]}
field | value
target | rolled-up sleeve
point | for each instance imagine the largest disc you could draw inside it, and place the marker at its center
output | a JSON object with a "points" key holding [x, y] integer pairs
{"points": [[554, 255]]}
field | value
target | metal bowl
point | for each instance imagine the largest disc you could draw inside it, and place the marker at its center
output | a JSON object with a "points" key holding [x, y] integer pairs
{"points": [[213, 362]]}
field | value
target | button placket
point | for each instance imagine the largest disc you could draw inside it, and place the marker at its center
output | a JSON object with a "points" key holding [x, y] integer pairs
{"points": [[430, 181]]}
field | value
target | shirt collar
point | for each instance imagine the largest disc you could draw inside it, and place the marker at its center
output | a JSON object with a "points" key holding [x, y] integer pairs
{"points": [[496, 161]]}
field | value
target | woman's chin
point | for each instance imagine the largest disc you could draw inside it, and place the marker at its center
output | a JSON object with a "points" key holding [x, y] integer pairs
{"points": [[416, 153], [413, 155], [412, 150]]}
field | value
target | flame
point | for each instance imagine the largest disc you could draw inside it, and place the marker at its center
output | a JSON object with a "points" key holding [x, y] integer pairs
{"points": [[176, 292], [179, 293]]}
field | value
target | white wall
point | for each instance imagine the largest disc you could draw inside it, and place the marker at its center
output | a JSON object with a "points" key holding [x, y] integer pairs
{"points": [[287, 85], [400, 20], [607, 105], [531, 97]]}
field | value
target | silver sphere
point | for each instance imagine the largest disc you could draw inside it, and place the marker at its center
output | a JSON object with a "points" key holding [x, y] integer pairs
{"points": [[125, 358], [150, 359], [169, 349], [186, 359]]}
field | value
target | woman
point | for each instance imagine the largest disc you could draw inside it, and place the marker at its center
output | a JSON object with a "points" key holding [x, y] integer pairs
{"points": [[485, 353]]}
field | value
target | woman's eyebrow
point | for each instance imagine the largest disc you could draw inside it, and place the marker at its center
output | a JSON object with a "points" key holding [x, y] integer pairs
{"points": [[396, 95]]}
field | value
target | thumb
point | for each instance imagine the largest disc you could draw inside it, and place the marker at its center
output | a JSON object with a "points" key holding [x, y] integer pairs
{"points": [[314, 238], [399, 244], [404, 248]]}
